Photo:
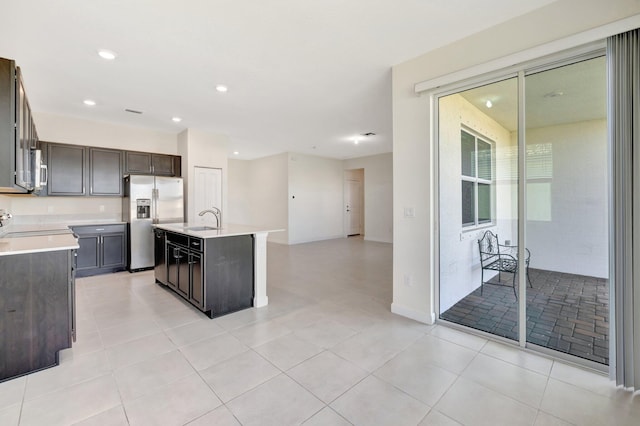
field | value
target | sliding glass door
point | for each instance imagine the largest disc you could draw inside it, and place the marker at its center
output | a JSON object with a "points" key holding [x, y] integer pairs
{"points": [[524, 159], [567, 225], [478, 202]]}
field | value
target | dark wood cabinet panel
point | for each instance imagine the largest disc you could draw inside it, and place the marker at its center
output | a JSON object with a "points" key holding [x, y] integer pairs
{"points": [[103, 249], [36, 307], [105, 172], [196, 290], [67, 171], [138, 163], [113, 253], [162, 165], [89, 252]]}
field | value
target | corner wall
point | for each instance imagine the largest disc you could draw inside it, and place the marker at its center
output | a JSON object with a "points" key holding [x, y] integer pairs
{"points": [[413, 250]]}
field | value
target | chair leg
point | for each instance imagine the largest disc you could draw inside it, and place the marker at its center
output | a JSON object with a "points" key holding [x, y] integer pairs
{"points": [[529, 279], [515, 293], [481, 281]]}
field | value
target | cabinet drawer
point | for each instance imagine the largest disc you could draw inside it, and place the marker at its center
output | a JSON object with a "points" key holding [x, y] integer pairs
{"points": [[179, 239], [196, 244], [98, 229]]}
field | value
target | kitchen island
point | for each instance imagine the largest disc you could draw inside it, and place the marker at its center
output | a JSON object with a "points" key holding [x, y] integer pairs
{"points": [[37, 298], [219, 271]]}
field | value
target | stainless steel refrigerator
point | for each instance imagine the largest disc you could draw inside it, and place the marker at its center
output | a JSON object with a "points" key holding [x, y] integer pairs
{"points": [[149, 200]]}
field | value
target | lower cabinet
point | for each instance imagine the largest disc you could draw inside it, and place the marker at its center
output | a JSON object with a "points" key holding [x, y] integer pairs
{"points": [[37, 316], [102, 249], [214, 274]]}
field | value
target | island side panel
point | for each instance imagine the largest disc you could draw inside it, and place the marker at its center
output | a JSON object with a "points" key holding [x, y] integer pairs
{"points": [[229, 274]]}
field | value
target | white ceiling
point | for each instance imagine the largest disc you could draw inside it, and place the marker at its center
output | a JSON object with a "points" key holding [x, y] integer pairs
{"points": [[567, 94], [303, 76]]}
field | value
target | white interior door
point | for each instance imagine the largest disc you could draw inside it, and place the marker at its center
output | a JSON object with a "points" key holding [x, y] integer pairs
{"points": [[353, 207], [207, 192]]}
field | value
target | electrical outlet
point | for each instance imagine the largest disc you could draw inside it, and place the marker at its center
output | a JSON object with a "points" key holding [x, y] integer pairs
{"points": [[101, 208], [49, 209], [409, 212]]}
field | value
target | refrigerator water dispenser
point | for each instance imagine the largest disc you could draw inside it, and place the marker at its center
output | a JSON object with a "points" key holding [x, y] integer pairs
{"points": [[143, 208]]}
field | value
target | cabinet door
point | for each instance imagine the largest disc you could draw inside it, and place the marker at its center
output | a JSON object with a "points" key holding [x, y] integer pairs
{"points": [[196, 282], [162, 165], [89, 252], [183, 273], [113, 250], [138, 162], [67, 170], [105, 172], [173, 265]]}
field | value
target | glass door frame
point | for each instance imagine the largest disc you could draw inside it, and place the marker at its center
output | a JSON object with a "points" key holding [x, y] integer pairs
{"points": [[519, 71]]}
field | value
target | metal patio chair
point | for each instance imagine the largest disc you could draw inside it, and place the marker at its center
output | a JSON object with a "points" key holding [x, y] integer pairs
{"points": [[501, 258]]}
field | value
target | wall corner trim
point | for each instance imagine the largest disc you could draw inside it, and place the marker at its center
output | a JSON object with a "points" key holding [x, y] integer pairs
{"points": [[424, 317]]}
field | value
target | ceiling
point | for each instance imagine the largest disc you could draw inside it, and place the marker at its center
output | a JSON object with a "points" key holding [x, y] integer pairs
{"points": [[302, 76], [568, 94]]}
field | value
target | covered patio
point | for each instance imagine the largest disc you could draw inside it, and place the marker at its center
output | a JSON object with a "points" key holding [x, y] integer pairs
{"points": [[565, 312]]}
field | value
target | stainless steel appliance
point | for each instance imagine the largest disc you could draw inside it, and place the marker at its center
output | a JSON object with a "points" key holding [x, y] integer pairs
{"points": [[149, 200]]}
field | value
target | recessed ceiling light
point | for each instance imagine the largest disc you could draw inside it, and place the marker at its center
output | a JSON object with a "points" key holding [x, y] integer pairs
{"points": [[221, 88], [89, 102], [489, 104], [177, 119], [107, 54], [236, 153]]}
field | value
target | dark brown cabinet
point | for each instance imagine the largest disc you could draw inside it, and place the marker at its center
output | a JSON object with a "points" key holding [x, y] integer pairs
{"points": [[151, 164], [102, 249], [214, 274], [67, 169], [105, 172], [37, 300]]}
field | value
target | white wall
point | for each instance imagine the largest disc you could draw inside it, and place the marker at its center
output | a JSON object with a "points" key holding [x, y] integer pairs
{"points": [[315, 198], [459, 255], [412, 144], [239, 188], [378, 195], [258, 192], [574, 239], [202, 149], [77, 131]]}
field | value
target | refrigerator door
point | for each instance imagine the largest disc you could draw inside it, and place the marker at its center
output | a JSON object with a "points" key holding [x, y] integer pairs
{"points": [[140, 230], [169, 207]]}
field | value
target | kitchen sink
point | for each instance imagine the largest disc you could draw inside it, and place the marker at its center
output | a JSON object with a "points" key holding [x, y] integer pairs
{"points": [[202, 228]]}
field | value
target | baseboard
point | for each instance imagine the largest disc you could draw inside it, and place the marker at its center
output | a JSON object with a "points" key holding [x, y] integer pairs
{"points": [[377, 240], [425, 317], [259, 302], [330, 237]]}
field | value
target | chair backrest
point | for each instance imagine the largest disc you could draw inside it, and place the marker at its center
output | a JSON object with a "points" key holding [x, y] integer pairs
{"points": [[489, 247]]}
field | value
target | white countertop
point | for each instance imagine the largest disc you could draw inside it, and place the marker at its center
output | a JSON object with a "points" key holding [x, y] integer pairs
{"points": [[9, 246], [228, 230]]}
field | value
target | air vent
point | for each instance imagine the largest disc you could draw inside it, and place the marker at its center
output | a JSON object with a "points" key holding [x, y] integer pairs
{"points": [[368, 134], [133, 111]]}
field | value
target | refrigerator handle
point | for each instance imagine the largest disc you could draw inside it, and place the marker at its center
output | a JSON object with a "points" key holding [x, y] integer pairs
{"points": [[154, 205]]}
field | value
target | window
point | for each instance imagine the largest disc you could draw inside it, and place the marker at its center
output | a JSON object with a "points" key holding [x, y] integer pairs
{"points": [[477, 179]]}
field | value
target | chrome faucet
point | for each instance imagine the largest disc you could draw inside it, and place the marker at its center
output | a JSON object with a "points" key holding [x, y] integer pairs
{"points": [[216, 212], [4, 215]]}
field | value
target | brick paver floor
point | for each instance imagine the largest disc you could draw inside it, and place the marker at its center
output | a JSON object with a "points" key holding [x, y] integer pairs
{"points": [[565, 312]]}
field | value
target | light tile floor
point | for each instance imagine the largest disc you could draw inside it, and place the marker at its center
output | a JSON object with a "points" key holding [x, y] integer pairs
{"points": [[326, 351]]}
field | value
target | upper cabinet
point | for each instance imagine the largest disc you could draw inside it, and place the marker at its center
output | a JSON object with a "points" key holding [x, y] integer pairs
{"points": [[67, 169], [147, 163], [76, 170], [18, 137], [105, 171]]}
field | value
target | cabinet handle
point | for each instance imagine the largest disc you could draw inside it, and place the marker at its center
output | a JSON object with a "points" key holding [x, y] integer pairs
{"points": [[99, 229]]}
